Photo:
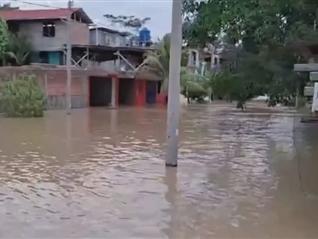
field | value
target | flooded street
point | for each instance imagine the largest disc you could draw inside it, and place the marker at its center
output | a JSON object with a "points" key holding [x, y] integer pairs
{"points": [[100, 173]]}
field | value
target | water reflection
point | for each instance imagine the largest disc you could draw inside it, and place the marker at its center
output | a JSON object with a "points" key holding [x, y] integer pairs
{"points": [[99, 173]]}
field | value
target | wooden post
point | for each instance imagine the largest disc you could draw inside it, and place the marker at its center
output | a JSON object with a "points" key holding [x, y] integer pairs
{"points": [[114, 96]]}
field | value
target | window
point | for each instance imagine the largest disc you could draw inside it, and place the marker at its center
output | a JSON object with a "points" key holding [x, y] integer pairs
{"points": [[14, 28], [49, 29], [44, 57]]}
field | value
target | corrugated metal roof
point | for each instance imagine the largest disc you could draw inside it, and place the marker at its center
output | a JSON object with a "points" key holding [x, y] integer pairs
{"points": [[42, 14]]}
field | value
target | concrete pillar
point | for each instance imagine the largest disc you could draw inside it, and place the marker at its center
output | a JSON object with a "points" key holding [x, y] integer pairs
{"points": [[46, 85], [315, 99], [140, 92], [115, 91]]}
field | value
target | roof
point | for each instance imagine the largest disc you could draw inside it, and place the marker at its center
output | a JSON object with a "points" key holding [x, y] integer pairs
{"points": [[43, 14], [106, 53], [105, 29]]}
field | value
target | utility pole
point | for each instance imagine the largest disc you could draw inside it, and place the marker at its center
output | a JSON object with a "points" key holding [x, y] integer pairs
{"points": [[173, 116], [69, 61]]}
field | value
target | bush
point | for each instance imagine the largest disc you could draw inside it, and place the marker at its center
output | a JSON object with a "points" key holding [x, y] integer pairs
{"points": [[22, 98]]}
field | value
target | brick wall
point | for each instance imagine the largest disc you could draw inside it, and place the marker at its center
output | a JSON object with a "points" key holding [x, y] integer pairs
{"points": [[53, 82]]}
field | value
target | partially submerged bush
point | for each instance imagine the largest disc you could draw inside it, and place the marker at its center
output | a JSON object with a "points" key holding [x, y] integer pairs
{"points": [[22, 97]]}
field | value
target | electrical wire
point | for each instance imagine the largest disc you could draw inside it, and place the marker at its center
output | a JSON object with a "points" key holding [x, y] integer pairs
{"points": [[36, 4]]}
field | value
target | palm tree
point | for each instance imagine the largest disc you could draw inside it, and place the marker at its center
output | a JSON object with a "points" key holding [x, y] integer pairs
{"points": [[19, 50], [193, 85], [157, 62]]}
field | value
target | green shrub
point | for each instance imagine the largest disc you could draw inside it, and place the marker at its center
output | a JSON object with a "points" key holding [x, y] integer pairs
{"points": [[22, 97]]}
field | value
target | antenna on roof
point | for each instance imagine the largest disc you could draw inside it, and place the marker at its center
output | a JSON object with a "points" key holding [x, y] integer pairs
{"points": [[70, 4]]}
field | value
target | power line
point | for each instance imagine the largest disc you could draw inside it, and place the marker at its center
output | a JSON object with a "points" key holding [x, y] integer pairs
{"points": [[36, 4]]}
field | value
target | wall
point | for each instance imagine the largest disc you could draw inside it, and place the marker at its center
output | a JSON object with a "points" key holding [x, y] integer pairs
{"points": [[104, 65], [92, 37], [140, 92], [53, 83], [56, 89], [106, 38], [33, 32], [80, 33]]}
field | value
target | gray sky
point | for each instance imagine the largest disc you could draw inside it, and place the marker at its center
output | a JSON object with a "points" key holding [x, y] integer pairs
{"points": [[158, 10]]}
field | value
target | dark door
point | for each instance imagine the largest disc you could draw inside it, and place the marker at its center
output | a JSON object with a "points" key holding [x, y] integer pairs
{"points": [[151, 92], [100, 91]]}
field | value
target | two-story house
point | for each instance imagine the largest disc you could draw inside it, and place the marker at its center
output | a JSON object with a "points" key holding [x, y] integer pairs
{"points": [[104, 67], [202, 61], [47, 30]]}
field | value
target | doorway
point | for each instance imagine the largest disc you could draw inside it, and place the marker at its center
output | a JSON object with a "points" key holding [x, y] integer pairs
{"points": [[100, 91]]}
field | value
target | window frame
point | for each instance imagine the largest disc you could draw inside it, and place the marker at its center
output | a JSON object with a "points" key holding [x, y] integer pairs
{"points": [[48, 29]]}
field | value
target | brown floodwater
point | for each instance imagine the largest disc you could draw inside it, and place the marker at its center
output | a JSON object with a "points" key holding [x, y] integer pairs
{"points": [[100, 173]]}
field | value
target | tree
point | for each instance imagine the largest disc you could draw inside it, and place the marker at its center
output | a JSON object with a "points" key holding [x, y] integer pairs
{"points": [[4, 40], [272, 36], [18, 50], [158, 61], [13, 49], [130, 22], [193, 86]]}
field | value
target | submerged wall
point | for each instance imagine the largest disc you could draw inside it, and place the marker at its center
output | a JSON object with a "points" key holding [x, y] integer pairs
{"points": [[53, 82]]}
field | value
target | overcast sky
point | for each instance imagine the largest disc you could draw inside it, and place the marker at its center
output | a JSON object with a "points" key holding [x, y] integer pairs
{"points": [[158, 10]]}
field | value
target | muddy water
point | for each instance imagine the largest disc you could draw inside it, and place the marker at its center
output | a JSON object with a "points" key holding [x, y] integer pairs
{"points": [[100, 173]]}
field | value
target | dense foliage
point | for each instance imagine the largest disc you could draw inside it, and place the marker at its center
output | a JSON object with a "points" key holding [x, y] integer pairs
{"points": [[14, 50], [22, 97], [18, 52], [193, 86], [158, 62], [267, 37], [130, 22], [4, 40]]}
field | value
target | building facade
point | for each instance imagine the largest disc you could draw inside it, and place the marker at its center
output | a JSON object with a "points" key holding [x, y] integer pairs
{"points": [[47, 31], [102, 63], [102, 36]]}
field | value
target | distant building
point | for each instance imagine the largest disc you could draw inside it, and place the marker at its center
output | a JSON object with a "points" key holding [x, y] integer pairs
{"points": [[102, 36], [309, 51], [201, 61]]}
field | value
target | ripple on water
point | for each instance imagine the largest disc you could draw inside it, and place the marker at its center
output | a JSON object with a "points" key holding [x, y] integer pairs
{"points": [[231, 180]]}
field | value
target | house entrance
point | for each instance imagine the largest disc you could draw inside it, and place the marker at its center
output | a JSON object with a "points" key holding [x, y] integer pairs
{"points": [[100, 91]]}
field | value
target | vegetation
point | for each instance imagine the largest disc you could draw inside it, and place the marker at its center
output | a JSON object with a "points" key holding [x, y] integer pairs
{"points": [[130, 22], [22, 98], [194, 86], [266, 38], [4, 40], [18, 51], [14, 50], [157, 62]]}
